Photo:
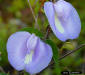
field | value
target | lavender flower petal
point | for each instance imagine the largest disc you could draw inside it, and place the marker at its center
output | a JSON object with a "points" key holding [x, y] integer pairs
{"points": [[69, 18], [32, 41], [26, 51], [16, 48], [41, 58], [64, 20], [50, 13]]}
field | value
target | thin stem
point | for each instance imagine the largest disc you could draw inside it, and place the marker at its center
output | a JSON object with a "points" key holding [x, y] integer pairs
{"points": [[83, 64], [47, 32], [2, 70], [36, 1], [72, 51], [67, 54], [53, 1], [35, 18]]}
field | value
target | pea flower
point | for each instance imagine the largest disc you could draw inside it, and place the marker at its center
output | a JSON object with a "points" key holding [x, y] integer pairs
{"points": [[63, 19], [27, 51]]}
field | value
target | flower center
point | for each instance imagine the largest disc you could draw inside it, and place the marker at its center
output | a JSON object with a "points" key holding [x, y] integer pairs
{"points": [[28, 57], [58, 25]]}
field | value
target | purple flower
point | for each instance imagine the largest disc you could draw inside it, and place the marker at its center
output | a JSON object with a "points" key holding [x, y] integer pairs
{"points": [[26, 51], [64, 19]]}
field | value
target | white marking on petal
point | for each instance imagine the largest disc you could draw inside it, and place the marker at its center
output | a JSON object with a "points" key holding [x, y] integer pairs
{"points": [[58, 25], [28, 57]]}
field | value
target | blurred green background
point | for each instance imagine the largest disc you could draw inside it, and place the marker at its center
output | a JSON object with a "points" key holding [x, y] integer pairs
{"points": [[16, 14]]}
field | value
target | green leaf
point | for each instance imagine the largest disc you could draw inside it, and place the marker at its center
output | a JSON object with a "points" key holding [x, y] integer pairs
{"points": [[55, 50], [55, 55], [3, 53], [3, 74], [36, 9], [32, 30]]}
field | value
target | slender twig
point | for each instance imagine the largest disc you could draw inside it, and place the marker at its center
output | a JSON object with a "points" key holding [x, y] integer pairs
{"points": [[83, 64], [47, 32], [36, 1], [72, 51], [35, 18], [53, 1], [2, 70], [67, 54]]}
